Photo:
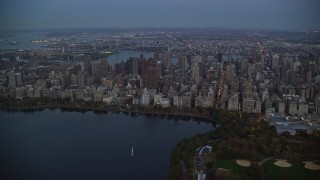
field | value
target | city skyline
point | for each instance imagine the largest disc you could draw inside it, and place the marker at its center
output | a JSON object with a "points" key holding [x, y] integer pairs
{"points": [[74, 103], [261, 14]]}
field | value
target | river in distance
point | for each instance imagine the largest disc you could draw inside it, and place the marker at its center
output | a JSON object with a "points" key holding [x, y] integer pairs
{"points": [[52, 144], [124, 55]]}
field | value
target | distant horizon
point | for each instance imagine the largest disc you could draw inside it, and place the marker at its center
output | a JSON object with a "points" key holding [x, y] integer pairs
{"points": [[243, 14], [154, 28]]}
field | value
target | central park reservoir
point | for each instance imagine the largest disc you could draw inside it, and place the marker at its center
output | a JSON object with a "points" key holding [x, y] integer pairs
{"points": [[54, 144]]}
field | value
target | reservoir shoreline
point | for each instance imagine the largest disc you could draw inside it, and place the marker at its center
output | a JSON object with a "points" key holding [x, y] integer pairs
{"points": [[117, 109]]}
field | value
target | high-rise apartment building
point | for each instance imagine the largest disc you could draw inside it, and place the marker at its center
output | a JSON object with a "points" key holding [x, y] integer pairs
{"points": [[196, 72], [151, 77], [230, 71], [11, 79], [18, 77]]}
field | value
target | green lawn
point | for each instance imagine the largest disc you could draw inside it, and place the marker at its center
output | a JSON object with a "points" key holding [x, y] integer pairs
{"points": [[296, 171], [229, 164]]}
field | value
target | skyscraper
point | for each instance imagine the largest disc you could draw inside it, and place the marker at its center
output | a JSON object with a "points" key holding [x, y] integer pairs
{"points": [[247, 88], [275, 61], [11, 79], [134, 64], [151, 78], [196, 72], [81, 79], [87, 65], [230, 71], [95, 67], [196, 59], [18, 77], [103, 68], [182, 63], [166, 60]]}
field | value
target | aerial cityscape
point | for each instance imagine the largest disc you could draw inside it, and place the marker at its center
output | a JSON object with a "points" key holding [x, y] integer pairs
{"points": [[180, 94]]}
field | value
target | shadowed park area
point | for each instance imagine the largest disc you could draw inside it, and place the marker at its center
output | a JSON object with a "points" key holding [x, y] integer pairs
{"points": [[230, 164]]}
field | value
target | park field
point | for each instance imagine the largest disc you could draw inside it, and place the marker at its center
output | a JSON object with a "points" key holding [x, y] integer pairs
{"points": [[296, 172], [230, 164]]}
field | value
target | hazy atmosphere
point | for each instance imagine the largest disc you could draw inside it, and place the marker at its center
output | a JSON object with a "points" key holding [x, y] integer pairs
{"points": [[275, 14], [160, 89]]}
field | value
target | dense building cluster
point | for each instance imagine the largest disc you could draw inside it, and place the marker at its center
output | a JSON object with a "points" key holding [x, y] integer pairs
{"points": [[254, 71]]}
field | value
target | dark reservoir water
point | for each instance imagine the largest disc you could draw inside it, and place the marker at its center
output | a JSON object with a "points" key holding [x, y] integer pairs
{"points": [[71, 145]]}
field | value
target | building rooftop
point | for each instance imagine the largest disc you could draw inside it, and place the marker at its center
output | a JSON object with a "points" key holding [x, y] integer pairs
{"points": [[299, 126], [281, 129], [277, 119]]}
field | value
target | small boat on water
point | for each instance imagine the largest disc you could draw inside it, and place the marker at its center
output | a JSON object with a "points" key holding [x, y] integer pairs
{"points": [[132, 151]]}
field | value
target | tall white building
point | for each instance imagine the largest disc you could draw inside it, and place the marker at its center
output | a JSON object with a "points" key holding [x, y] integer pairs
{"points": [[303, 109], [157, 98], [182, 101], [258, 106], [233, 102], [281, 107], [248, 105], [293, 108], [275, 61], [145, 98]]}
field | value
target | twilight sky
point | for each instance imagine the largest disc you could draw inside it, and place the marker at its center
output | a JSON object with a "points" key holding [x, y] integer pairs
{"points": [[278, 14]]}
